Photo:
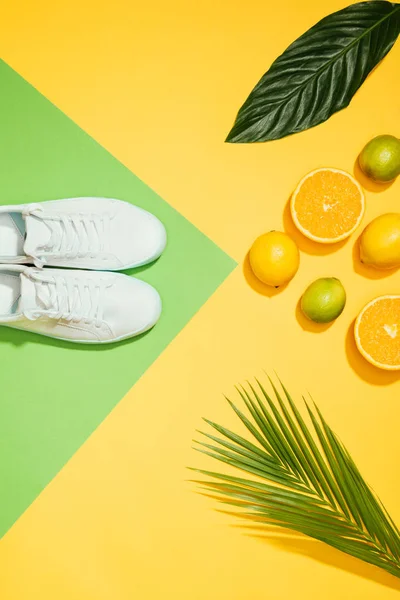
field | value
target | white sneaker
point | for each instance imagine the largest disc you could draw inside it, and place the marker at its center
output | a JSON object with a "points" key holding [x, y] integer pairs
{"points": [[88, 307], [81, 233]]}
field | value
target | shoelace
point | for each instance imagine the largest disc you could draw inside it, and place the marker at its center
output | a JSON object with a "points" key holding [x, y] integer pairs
{"points": [[73, 235], [70, 299]]}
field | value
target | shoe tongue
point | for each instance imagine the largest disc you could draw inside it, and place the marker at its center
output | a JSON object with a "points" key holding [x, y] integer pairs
{"points": [[28, 299], [37, 235]]}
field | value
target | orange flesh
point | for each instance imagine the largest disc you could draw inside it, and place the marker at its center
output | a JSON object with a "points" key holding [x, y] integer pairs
{"points": [[328, 204], [379, 331]]}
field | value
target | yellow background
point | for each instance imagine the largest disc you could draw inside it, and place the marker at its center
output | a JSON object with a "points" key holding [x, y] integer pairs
{"points": [[158, 84]]}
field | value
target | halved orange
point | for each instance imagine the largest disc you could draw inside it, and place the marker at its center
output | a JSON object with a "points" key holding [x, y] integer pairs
{"points": [[327, 206], [377, 332]]}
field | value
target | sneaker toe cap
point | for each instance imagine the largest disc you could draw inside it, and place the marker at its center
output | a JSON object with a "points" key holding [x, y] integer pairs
{"points": [[139, 307], [138, 236]]}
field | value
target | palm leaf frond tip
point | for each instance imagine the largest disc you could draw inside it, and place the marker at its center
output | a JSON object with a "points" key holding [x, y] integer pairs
{"points": [[299, 477]]}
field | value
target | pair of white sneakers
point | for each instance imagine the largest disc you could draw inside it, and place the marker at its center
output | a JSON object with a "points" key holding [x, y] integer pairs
{"points": [[92, 306]]}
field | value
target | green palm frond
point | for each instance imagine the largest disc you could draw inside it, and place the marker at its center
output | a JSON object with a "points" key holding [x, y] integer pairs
{"points": [[300, 478]]}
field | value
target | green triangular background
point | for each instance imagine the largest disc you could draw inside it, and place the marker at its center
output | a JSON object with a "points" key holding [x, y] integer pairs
{"points": [[53, 395]]}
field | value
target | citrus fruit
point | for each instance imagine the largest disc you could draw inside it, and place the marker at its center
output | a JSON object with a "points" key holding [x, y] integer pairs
{"points": [[327, 205], [274, 258], [324, 300], [377, 332], [380, 242], [380, 159]]}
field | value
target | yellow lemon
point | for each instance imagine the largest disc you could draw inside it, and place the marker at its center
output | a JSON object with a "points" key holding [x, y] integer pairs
{"points": [[380, 242], [274, 258]]}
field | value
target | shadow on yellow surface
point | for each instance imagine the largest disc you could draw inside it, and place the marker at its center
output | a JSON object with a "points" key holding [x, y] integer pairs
{"points": [[257, 285], [364, 369], [304, 244], [297, 543], [327, 555], [369, 184], [308, 325], [364, 270]]}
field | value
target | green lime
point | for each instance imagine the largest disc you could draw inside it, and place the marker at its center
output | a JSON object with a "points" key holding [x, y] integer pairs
{"points": [[324, 300], [380, 159]]}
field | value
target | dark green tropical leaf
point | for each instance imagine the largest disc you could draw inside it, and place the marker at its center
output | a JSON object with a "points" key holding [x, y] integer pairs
{"points": [[299, 477], [319, 73]]}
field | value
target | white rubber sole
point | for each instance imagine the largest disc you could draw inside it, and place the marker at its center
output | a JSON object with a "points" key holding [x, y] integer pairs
{"points": [[136, 265], [85, 342], [105, 269]]}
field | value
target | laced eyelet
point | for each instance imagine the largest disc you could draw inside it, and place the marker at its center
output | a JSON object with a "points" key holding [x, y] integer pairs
{"points": [[64, 299]]}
